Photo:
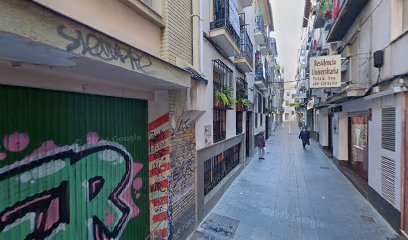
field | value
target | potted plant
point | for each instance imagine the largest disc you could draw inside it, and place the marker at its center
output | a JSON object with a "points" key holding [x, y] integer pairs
{"points": [[220, 99], [242, 104]]}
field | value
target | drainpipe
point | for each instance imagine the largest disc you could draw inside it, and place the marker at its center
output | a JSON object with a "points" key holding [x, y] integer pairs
{"points": [[404, 155], [196, 35]]}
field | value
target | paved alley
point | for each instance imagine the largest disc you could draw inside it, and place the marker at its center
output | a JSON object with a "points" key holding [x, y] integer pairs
{"points": [[293, 194]]}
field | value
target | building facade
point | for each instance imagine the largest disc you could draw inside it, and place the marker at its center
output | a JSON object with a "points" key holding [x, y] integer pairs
{"points": [[362, 124], [115, 112], [234, 47]]}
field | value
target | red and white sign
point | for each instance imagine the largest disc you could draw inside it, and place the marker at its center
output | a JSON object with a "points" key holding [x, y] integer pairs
{"points": [[325, 71], [159, 176]]}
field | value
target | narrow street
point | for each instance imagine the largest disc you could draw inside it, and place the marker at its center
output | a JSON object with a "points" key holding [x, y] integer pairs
{"points": [[293, 194]]}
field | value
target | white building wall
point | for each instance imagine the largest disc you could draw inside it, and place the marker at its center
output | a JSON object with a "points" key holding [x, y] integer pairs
{"points": [[375, 149], [206, 102], [323, 127]]}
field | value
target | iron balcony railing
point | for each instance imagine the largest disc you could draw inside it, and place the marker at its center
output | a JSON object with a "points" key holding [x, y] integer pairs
{"points": [[246, 47], [226, 16], [260, 24]]}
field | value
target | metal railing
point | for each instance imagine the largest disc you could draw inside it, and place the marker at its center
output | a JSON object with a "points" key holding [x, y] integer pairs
{"points": [[260, 24], [226, 16], [217, 167], [246, 47]]}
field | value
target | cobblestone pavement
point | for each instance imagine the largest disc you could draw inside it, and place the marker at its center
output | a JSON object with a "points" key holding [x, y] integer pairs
{"points": [[293, 194]]}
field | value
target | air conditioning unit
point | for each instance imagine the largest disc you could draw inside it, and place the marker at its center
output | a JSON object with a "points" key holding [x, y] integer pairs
{"points": [[347, 51], [333, 47]]}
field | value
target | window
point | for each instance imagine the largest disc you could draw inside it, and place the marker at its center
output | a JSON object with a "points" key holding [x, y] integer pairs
{"points": [[287, 102], [219, 125], [239, 122], [288, 94], [217, 167], [399, 22], [256, 120], [259, 103], [286, 116], [222, 76], [261, 119], [293, 113]]}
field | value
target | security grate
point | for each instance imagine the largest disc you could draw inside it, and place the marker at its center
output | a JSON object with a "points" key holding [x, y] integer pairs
{"points": [[221, 225], [388, 179], [367, 219], [388, 129]]}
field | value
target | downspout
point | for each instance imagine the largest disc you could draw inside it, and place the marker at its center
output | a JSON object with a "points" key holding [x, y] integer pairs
{"points": [[196, 35], [404, 155]]}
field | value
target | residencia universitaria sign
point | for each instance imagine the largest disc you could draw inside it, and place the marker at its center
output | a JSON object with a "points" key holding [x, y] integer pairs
{"points": [[325, 71]]}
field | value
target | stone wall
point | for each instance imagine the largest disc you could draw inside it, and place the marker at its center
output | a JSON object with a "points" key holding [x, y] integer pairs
{"points": [[183, 158]]}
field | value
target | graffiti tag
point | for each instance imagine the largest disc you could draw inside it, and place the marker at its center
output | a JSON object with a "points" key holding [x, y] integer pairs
{"points": [[99, 47]]}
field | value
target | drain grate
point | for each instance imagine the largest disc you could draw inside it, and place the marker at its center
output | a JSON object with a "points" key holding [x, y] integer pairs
{"points": [[367, 219], [327, 168], [222, 225]]}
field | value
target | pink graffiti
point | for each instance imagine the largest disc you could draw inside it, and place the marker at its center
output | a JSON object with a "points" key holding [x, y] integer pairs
{"points": [[109, 218], [127, 196], [137, 195], [52, 214], [92, 137], [45, 147], [3, 156], [137, 184], [16, 142]]}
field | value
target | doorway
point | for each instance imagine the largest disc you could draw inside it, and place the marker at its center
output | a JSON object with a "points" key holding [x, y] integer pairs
{"points": [[358, 145], [330, 133], [248, 131]]}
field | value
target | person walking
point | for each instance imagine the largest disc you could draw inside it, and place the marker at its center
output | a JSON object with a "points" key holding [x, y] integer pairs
{"points": [[260, 142], [305, 136], [300, 124]]}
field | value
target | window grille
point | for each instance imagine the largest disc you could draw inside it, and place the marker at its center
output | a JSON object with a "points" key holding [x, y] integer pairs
{"points": [[217, 167]]}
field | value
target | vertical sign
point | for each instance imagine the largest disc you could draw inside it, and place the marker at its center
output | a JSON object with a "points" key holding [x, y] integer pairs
{"points": [[325, 71], [159, 176]]}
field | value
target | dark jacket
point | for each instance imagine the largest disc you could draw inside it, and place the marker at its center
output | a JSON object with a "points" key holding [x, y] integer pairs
{"points": [[260, 140], [304, 135]]}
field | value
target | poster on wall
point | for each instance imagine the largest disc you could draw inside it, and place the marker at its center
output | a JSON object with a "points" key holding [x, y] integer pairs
{"points": [[325, 71]]}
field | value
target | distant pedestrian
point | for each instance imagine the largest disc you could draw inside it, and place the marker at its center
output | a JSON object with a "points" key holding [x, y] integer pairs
{"points": [[305, 136], [300, 124], [260, 142]]}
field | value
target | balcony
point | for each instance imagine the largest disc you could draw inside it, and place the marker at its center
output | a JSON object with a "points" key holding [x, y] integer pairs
{"points": [[259, 34], [225, 29], [245, 3], [245, 59], [264, 47], [349, 11]]}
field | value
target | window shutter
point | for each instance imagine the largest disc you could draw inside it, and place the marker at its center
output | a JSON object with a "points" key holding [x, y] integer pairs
{"points": [[388, 129]]}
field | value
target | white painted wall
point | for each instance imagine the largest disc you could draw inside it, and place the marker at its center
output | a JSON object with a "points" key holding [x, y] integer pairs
{"points": [[323, 127], [374, 144], [205, 97], [340, 140]]}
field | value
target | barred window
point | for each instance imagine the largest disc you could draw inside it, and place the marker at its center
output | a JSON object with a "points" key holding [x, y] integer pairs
{"points": [[239, 122], [219, 122], [217, 167], [222, 78]]}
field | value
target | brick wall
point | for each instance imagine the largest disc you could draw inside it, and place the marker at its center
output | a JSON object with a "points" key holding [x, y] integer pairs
{"points": [[183, 157], [177, 35]]}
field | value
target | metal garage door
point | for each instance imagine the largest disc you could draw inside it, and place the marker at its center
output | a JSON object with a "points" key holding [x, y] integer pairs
{"points": [[72, 166]]}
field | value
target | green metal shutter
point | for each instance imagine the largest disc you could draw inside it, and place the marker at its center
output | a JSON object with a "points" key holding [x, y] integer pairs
{"points": [[72, 166]]}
